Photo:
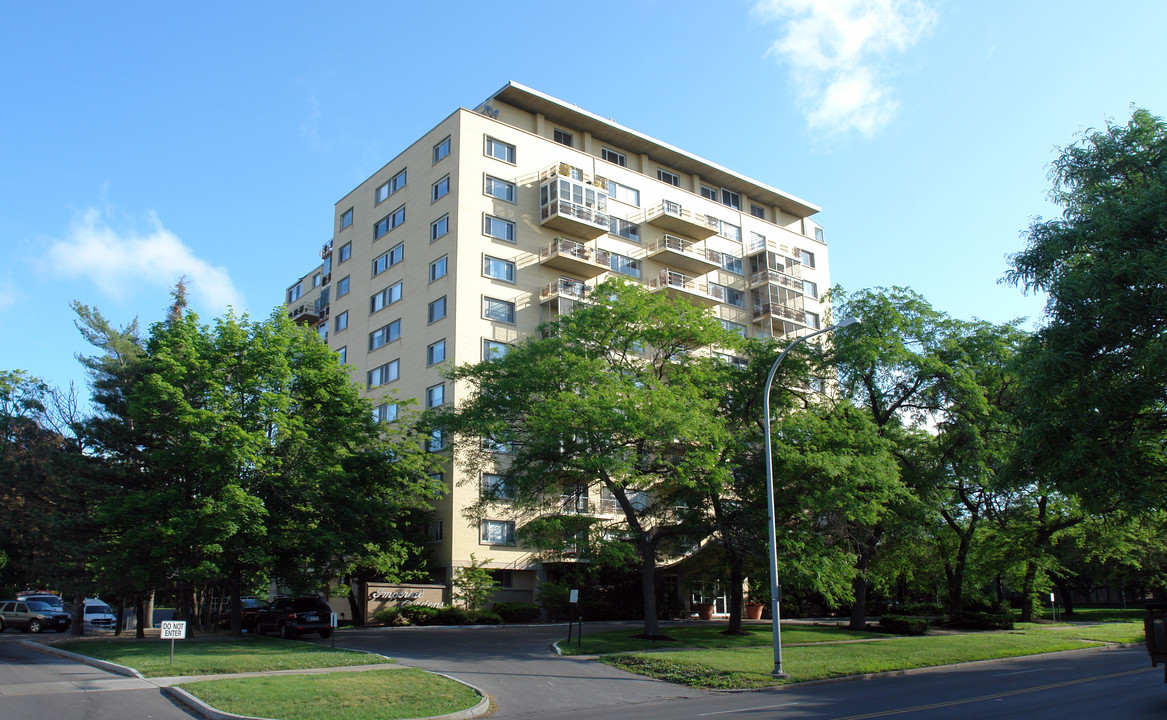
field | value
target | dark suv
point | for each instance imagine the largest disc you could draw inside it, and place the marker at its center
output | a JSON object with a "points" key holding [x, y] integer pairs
{"points": [[291, 617], [32, 616]]}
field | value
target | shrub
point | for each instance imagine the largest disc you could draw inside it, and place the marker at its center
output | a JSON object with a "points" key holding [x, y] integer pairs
{"points": [[554, 598], [487, 617], [918, 609], [517, 612], [420, 614], [972, 620], [452, 616], [901, 625], [390, 616]]}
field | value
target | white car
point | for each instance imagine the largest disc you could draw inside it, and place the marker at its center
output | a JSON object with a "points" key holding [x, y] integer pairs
{"points": [[97, 614]]}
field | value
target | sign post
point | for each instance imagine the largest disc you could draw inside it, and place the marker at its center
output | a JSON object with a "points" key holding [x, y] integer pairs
{"points": [[573, 599], [173, 630]]}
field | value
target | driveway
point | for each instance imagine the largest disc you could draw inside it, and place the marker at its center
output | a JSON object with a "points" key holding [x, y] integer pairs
{"points": [[516, 666]]}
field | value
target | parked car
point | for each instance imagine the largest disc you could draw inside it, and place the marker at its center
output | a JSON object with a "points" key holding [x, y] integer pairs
{"points": [[97, 614], [32, 616], [251, 605], [290, 617], [44, 596]]}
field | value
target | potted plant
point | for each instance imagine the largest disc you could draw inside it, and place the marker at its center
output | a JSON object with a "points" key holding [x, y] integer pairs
{"points": [[754, 610], [704, 610]]}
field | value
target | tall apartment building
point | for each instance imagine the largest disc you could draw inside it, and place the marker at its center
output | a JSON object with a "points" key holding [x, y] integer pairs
{"points": [[503, 217]]}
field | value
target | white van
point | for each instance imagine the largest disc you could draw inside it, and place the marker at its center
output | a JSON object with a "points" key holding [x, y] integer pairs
{"points": [[97, 614]]}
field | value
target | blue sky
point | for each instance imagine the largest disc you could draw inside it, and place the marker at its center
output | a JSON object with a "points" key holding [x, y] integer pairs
{"points": [[143, 141]]}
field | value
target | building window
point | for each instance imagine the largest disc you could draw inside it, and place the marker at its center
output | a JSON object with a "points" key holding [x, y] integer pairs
{"points": [[731, 263], [732, 199], [812, 320], [437, 310], [342, 287], [818, 235], [614, 157], [346, 218], [757, 242], [500, 229], [757, 211], [385, 412], [498, 310], [623, 228], [498, 269], [498, 532], [384, 335], [442, 149], [438, 268], [499, 150], [810, 288], [708, 192], [436, 442], [386, 373], [342, 354], [342, 321], [625, 265], [730, 232], [439, 227], [317, 279], [737, 298], [494, 350], [562, 137], [440, 189], [806, 258], [345, 254], [294, 293], [322, 331], [500, 189], [393, 256], [497, 487], [668, 177], [386, 297], [389, 222], [623, 193], [436, 353], [384, 191], [435, 396], [433, 531], [736, 328]]}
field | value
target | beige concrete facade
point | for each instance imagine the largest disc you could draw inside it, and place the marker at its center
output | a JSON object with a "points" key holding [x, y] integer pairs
{"points": [[491, 223]]}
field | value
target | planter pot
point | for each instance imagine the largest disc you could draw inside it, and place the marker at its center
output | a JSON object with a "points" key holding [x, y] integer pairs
{"points": [[704, 610], [754, 611]]}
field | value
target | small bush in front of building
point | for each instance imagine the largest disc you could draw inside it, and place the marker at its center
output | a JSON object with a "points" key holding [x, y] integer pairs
{"points": [[420, 614], [391, 616], [517, 612], [901, 625], [452, 616], [971, 620], [918, 609], [486, 617]]}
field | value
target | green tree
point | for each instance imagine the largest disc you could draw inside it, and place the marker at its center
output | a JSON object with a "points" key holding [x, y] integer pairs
{"points": [[1096, 381], [614, 395]]}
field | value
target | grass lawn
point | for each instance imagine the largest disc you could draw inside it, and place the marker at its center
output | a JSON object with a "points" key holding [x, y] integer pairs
{"points": [[366, 695], [151, 656], [708, 637], [749, 667]]}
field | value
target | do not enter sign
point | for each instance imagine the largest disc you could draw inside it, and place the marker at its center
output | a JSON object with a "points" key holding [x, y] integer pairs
{"points": [[174, 630]]}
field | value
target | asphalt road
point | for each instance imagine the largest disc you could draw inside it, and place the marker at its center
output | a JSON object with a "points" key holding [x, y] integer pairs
{"points": [[34, 685], [517, 668]]}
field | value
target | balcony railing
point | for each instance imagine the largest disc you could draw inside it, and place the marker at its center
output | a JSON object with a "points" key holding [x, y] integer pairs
{"points": [[688, 255], [765, 310], [573, 503], [575, 257], [776, 277], [672, 281], [326, 250], [582, 213], [567, 288], [672, 216]]}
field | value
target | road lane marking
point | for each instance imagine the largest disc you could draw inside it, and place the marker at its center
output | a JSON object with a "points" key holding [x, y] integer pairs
{"points": [[749, 709], [1019, 672], [994, 696]]}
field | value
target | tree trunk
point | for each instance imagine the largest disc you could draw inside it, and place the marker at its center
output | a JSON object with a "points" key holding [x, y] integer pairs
{"points": [[354, 605], [234, 583], [140, 613], [859, 604], [735, 598], [1027, 591], [121, 615], [78, 615], [1067, 596], [648, 587]]}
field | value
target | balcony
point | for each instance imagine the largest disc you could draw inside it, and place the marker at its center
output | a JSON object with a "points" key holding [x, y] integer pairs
{"points": [[677, 285], [686, 255], [326, 251], [765, 312], [305, 314], [674, 218], [576, 258], [776, 277], [573, 504], [565, 288], [568, 202]]}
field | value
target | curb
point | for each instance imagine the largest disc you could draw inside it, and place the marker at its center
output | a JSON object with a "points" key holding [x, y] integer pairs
{"points": [[85, 659]]}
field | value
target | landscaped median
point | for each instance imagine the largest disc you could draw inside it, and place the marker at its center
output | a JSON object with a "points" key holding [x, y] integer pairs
{"points": [[702, 657], [377, 693]]}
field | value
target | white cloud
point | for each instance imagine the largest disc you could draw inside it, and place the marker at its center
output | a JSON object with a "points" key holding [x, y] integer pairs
{"points": [[120, 262], [839, 51]]}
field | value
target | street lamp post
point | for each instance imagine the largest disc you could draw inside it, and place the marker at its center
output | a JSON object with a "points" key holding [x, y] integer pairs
{"points": [[777, 672]]}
